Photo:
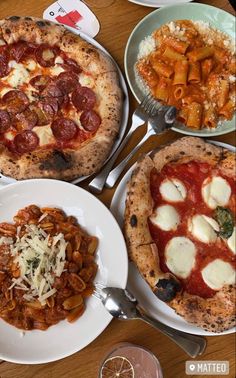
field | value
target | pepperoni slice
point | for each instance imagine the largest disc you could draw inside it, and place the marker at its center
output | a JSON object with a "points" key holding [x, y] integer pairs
{"points": [[46, 55], [90, 120], [16, 101], [26, 141], [67, 81], [83, 98], [40, 82], [50, 107], [71, 65], [64, 129], [52, 90], [18, 50], [41, 117], [4, 68], [25, 120], [5, 121]]}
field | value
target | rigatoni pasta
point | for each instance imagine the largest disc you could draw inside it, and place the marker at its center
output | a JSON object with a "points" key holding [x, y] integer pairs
{"points": [[192, 67]]}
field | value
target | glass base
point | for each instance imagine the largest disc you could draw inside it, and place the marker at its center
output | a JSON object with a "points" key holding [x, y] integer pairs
{"points": [[131, 361]]}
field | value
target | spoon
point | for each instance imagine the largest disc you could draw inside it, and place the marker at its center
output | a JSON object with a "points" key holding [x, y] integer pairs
{"points": [[123, 305]]}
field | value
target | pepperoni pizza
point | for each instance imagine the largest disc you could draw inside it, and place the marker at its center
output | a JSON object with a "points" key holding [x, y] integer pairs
{"points": [[60, 101], [180, 232]]}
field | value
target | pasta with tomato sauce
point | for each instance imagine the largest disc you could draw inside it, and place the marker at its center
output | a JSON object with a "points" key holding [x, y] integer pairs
{"points": [[191, 66], [47, 267]]}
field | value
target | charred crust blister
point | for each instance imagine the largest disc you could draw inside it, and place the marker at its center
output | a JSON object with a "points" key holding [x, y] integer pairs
{"points": [[58, 161], [41, 24], [133, 221], [14, 18], [166, 289]]}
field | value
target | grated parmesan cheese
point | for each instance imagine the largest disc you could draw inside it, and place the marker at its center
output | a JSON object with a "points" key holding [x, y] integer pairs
{"points": [[40, 258]]}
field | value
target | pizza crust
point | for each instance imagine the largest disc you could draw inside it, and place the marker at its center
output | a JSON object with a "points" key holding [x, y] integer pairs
{"points": [[214, 314], [88, 158]]}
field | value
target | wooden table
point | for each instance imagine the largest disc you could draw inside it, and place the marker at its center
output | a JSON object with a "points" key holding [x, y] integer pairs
{"points": [[117, 21]]}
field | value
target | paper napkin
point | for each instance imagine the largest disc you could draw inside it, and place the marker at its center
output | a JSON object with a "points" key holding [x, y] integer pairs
{"points": [[73, 13]]}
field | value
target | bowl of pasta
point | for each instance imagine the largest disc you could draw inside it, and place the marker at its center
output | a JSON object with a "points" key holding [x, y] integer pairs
{"points": [[185, 56], [55, 245]]}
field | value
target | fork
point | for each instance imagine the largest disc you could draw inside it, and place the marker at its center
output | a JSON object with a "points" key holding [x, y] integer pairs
{"points": [[157, 124], [147, 108]]}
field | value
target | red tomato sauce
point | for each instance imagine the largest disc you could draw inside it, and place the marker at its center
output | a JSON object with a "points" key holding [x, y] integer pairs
{"points": [[192, 175]]}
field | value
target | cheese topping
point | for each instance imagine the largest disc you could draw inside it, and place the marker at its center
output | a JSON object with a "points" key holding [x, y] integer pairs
{"points": [[56, 70], [180, 255], [45, 134], [232, 241], [216, 192], [40, 258], [19, 75], [9, 135], [86, 80], [218, 273], [165, 217], [173, 190], [201, 228]]}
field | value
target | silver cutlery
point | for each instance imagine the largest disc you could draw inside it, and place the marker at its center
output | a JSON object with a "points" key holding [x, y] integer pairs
{"points": [[147, 108], [157, 124], [123, 305]]}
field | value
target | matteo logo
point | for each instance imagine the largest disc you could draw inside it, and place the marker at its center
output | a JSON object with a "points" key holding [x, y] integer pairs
{"points": [[207, 368]]}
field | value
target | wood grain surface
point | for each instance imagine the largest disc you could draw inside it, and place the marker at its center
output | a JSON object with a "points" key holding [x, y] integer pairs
{"points": [[117, 21]]}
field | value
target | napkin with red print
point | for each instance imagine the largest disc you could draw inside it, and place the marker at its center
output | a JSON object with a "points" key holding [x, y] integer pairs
{"points": [[75, 14]]}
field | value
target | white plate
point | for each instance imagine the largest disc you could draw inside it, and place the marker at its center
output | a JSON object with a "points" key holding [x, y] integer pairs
{"points": [[125, 113], [64, 339], [158, 3], [136, 283]]}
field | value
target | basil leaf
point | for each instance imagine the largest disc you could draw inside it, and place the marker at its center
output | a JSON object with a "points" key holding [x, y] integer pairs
{"points": [[224, 218]]}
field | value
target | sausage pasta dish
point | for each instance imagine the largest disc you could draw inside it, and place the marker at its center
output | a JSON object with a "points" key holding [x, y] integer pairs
{"points": [[47, 267], [191, 66]]}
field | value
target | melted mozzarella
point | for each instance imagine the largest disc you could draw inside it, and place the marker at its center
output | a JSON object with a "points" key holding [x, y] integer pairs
{"points": [[216, 192], [173, 190], [9, 135], [31, 65], [180, 255], [5, 90], [232, 241], [218, 273], [2, 42], [165, 217], [56, 70], [59, 60], [45, 135], [212, 222], [86, 80], [201, 228], [18, 76]]}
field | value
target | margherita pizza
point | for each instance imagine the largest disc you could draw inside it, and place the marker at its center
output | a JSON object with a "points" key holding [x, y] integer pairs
{"points": [[60, 101], [179, 227]]}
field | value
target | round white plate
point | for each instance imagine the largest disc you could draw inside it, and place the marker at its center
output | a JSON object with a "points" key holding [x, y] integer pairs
{"points": [[216, 17], [136, 283], [125, 113], [64, 339], [158, 3]]}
